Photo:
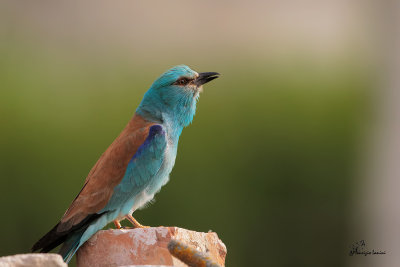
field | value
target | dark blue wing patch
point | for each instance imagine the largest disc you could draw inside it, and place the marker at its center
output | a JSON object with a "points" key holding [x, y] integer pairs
{"points": [[155, 132]]}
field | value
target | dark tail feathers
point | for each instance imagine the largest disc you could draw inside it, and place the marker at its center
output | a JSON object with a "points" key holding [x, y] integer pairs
{"points": [[70, 238]]}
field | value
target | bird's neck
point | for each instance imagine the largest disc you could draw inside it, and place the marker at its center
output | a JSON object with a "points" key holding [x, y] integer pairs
{"points": [[173, 127], [173, 123], [174, 118]]}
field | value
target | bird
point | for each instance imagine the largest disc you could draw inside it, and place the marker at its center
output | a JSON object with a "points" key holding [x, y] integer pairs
{"points": [[135, 166]]}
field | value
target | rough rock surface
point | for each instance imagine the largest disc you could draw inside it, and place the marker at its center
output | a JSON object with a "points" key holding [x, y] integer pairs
{"points": [[145, 246], [32, 260]]}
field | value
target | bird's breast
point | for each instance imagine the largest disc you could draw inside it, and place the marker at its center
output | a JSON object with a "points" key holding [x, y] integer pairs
{"points": [[162, 176], [156, 182]]}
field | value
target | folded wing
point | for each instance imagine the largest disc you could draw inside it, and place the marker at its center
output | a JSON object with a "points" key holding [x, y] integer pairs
{"points": [[99, 186]]}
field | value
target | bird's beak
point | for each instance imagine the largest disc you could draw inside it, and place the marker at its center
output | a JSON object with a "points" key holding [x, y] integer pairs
{"points": [[205, 77]]}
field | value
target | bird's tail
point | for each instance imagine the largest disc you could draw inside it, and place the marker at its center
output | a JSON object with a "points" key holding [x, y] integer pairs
{"points": [[71, 245], [70, 238]]}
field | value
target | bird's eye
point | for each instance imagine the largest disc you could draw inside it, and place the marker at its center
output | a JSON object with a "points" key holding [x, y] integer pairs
{"points": [[182, 81]]}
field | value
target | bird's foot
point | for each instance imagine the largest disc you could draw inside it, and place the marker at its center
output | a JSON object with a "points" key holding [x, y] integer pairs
{"points": [[135, 223], [141, 226], [117, 224], [135, 227]]}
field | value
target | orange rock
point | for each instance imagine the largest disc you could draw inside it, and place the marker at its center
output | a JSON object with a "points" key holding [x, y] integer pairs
{"points": [[145, 246]]}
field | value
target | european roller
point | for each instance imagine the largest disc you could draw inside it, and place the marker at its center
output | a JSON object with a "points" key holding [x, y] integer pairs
{"points": [[135, 166]]}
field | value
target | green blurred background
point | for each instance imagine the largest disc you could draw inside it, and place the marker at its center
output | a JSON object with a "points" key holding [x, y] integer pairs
{"points": [[270, 160]]}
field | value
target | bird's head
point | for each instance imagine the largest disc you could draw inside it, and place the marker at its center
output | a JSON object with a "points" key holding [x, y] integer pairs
{"points": [[173, 96]]}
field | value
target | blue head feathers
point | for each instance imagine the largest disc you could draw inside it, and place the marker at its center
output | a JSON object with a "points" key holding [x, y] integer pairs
{"points": [[172, 97]]}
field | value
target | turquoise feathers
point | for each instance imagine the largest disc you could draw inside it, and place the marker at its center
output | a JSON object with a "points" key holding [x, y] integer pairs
{"points": [[169, 102]]}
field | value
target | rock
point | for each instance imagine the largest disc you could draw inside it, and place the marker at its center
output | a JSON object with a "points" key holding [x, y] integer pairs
{"points": [[145, 246], [32, 260]]}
